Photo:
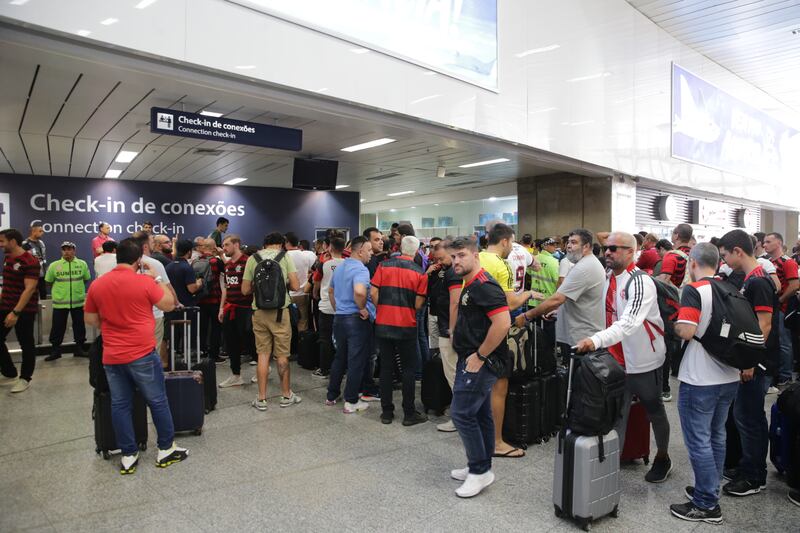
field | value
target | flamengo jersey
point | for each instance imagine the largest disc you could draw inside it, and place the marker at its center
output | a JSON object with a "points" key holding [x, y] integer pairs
{"points": [[519, 260]]}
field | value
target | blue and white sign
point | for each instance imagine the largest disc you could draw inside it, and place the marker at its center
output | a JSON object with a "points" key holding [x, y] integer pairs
{"points": [[455, 37], [196, 126], [712, 128]]}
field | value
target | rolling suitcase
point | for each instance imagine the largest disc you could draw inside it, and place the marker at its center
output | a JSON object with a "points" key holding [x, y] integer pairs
{"points": [[104, 437], [185, 388], [436, 394], [525, 421], [544, 359], [637, 435], [586, 481], [308, 350]]}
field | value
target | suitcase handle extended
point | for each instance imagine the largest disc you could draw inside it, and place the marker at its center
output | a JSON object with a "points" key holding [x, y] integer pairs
{"points": [[187, 348], [573, 356]]}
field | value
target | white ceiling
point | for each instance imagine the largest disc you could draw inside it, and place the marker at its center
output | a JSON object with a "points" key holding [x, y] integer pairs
{"points": [[69, 114], [751, 38]]}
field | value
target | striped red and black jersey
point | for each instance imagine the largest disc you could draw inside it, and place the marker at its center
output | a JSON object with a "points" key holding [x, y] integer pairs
{"points": [[399, 281], [234, 273], [15, 271], [760, 291], [481, 299], [215, 294], [675, 265], [786, 269]]}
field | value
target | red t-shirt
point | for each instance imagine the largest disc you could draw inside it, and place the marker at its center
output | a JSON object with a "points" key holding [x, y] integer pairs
{"points": [[786, 268], [675, 265], [648, 259], [15, 271], [124, 300]]}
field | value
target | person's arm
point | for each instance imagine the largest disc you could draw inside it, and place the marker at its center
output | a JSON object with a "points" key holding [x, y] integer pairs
{"points": [[316, 291], [765, 323], [294, 283], [360, 298], [515, 301], [791, 289], [668, 265], [91, 319], [31, 286], [685, 330], [332, 299], [501, 322], [247, 277], [776, 280], [223, 296], [547, 306], [688, 313], [374, 293], [291, 273]]}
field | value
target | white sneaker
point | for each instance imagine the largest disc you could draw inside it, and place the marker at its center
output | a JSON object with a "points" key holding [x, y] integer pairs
{"points": [[474, 484], [8, 381], [460, 474], [233, 381], [21, 385], [773, 390], [350, 408], [254, 379], [253, 363], [291, 400], [447, 427]]}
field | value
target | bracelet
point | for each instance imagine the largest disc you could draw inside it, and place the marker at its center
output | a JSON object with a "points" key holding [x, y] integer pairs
{"points": [[482, 358]]}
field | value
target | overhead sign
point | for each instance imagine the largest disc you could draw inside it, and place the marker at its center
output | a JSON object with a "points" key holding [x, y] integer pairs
{"points": [[712, 128], [185, 124]]}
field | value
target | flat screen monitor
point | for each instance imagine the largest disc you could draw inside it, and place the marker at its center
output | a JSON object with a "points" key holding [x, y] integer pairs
{"points": [[315, 174]]}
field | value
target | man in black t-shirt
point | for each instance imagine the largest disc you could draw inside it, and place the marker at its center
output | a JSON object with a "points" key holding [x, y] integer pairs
{"points": [[736, 249], [478, 338]]}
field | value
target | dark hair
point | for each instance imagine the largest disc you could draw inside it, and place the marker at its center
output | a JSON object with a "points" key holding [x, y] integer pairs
{"points": [[639, 239], [643, 233], [147, 223], [395, 225], [776, 235], [140, 237], [437, 239], [292, 239], [406, 230], [760, 236], [366, 233], [357, 243], [527, 239], [109, 246], [222, 220], [101, 224], [737, 239], [499, 232], [597, 250], [483, 242], [462, 243], [183, 247], [337, 244], [36, 225], [250, 250], [584, 235], [664, 244], [684, 232], [305, 244], [12, 234], [273, 238], [715, 240], [387, 245], [129, 251]]}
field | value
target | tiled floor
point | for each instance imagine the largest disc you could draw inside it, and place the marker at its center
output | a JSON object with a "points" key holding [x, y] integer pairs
{"points": [[305, 468]]}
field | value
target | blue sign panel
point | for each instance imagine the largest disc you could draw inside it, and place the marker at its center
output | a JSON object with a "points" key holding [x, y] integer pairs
{"points": [[196, 126], [712, 128]]}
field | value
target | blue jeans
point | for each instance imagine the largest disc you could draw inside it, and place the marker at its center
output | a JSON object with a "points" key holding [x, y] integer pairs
{"points": [[423, 350], [703, 411], [751, 421], [471, 412], [353, 350], [146, 375], [786, 364]]}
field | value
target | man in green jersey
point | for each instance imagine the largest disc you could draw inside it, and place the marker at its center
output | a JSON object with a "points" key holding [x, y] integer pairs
{"points": [[68, 277]]}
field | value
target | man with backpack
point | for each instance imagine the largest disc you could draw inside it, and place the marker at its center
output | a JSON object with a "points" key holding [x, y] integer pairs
{"points": [[673, 264], [210, 269], [269, 275], [736, 249], [707, 388], [634, 335]]}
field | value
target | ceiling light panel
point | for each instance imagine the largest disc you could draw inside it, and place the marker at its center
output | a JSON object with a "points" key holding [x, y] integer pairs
{"points": [[369, 144]]}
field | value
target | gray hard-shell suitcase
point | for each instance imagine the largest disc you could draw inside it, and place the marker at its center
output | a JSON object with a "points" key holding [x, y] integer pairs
{"points": [[586, 484]]}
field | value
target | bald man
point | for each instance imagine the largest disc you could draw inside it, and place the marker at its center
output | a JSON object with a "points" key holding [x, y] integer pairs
{"points": [[210, 325], [634, 336]]}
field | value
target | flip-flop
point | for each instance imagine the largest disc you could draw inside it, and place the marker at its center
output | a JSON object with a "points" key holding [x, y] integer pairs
{"points": [[509, 452]]}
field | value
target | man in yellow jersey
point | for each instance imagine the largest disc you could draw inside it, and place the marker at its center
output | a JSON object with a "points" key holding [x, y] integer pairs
{"points": [[500, 241]]}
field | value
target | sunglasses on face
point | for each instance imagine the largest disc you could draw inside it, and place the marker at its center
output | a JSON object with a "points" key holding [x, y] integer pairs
{"points": [[613, 248]]}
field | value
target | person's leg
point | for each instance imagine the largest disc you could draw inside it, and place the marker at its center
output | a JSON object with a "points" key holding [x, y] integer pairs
{"points": [[666, 369], [622, 422], [471, 393], [449, 359], [719, 435], [24, 332], [408, 354], [302, 307], [214, 332], [121, 387], [385, 351], [424, 354], [340, 330], [233, 343], [751, 421], [697, 407], [78, 328], [264, 346], [42, 288], [57, 330], [205, 323], [486, 423], [325, 343], [146, 373], [433, 332], [281, 342], [7, 367], [499, 393], [358, 353], [647, 386], [158, 335], [785, 372]]}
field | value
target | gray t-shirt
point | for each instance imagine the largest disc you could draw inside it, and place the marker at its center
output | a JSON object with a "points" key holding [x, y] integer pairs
{"points": [[582, 313]]}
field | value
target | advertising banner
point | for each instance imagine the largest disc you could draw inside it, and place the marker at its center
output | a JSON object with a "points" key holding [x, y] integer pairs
{"points": [[712, 128], [71, 208]]}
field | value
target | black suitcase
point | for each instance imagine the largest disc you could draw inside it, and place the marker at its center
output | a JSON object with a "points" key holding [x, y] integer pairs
{"points": [[436, 394], [526, 420], [209, 369], [308, 350], [104, 437], [542, 355], [185, 388]]}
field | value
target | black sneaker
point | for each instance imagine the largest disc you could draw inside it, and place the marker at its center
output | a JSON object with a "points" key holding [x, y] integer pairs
{"points": [[176, 455], [689, 492], [742, 487], [53, 356], [794, 497], [79, 351], [729, 474], [692, 513], [386, 418], [219, 360], [414, 419], [659, 471]]}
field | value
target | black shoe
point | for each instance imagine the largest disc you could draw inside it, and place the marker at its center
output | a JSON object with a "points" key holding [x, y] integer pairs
{"points": [[386, 418], [79, 351], [689, 492], [219, 360], [794, 497], [53, 356], [659, 471], [742, 487], [692, 513], [729, 474], [414, 419]]}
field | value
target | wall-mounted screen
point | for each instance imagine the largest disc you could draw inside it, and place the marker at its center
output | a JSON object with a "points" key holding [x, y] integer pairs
{"points": [[455, 37]]}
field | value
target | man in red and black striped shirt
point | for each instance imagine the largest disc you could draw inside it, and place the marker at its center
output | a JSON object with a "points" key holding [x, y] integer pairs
{"points": [[673, 265], [399, 288], [18, 306], [786, 268], [210, 326], [235, 310]]}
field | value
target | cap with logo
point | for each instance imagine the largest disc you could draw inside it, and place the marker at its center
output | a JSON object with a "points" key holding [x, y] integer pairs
{"points": [[549, 241], [67, 244]]}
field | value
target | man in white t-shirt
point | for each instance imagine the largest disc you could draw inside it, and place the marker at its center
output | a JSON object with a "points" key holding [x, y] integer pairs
{"points": [[708, 387], [326, 310], [303, 261], [105, 262]]}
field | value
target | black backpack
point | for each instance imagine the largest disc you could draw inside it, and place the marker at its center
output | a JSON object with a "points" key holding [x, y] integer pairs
{"points": [[269, 287], [598, 389], [668, 300], [733, 336], [202, 269]]}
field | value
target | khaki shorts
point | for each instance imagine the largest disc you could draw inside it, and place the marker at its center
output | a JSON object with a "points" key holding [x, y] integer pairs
{"points": [[159, 332], [272, 337]]}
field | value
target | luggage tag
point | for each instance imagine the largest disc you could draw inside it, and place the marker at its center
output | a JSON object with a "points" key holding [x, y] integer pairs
{"points": [[725, 330]]}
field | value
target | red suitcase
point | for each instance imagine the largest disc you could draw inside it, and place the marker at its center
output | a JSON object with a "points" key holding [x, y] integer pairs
{"points": [[637, 435]]}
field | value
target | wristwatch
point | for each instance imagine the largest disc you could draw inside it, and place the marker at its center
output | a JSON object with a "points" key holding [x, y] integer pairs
{"points": [[482, 358], [16, 313]]}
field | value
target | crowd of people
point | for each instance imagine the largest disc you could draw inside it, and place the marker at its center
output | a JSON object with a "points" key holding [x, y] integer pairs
{"points": [[383, 305]]}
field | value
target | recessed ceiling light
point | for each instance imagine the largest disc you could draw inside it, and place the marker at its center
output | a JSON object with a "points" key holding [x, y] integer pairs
{"points": [[83, 33], [322, 90], [245, 67], [482, 163], [18, 2], [144, 3], [392, 210], [538, 50], [542, 110], [413, 207], [359, 51], [126, 156], [113, 173], [424, 98], [590, 77], [492, 198], [109, 21], [342, 186], [235, 181], [210, 113], [362, 200], [401, 193], [437, 205], [370, 144]]}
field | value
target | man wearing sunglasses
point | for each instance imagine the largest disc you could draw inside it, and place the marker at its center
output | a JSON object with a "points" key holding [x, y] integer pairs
{"points": [[634, 335]]}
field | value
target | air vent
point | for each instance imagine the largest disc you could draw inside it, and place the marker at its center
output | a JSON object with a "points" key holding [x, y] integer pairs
{"points": [[208, 151], [473, 182], [383, 176]]}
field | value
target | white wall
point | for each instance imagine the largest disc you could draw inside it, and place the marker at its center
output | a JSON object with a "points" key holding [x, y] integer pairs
{"points": [[621, 120]]}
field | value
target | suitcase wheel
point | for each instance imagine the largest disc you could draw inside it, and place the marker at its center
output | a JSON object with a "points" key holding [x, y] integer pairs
{"points": [[646, 460], [546, 438], [559, 513], [585, 524], [198, 431], [106, 455], [142, 446], [615, 512], [208, 411]]}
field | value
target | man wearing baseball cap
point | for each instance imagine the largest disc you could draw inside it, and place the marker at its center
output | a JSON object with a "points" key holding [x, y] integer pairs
{"points": [[68, 277]]}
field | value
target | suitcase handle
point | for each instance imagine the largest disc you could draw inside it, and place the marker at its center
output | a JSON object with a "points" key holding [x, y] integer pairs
{"points": [[180, 322]]}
